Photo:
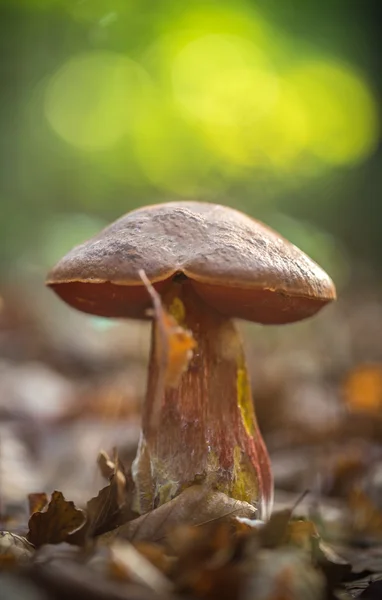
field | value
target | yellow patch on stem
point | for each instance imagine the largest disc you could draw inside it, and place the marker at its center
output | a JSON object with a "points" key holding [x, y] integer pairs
{"points": [[244, 400], [243, 487], [177, 310]]}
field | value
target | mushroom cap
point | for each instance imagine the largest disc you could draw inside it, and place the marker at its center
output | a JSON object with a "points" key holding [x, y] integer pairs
{"points": [[236, 264]]}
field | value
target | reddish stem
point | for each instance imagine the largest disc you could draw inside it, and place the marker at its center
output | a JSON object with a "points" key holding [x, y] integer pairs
{"points": [[207, 430]]}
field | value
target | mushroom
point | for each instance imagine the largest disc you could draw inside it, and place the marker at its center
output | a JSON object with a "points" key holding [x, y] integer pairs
{"points": [[210, 264]]}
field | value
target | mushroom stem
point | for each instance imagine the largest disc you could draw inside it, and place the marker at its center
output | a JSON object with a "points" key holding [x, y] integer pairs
{"points": [[206, 429]]}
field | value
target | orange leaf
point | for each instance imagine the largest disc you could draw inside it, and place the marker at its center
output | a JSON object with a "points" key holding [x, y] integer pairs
{"points": [[301, 533], [363, 389], [175, 344]]}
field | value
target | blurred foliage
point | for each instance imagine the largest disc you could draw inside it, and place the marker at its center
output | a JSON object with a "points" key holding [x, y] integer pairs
{"points": [[269, 107]]}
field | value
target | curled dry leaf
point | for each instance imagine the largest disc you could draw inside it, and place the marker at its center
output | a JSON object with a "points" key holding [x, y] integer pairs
{"points": [[14, 549], [103, 509], [105, 464], [274, 532], [196, 505], [55, 522], [111, 506]]}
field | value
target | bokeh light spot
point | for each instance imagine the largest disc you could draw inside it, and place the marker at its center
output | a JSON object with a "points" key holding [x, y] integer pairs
{"points": [[90, 102], [340, 109], [223, 79], [200, 19], [274, 141]]}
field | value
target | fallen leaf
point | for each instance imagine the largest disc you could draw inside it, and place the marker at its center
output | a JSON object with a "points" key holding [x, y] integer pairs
{"points": [[283, 574], [111, 507], [334, 566], [175, 344], [205, 562], [196, 505], [68, 572], [55, 522], [303, 534], [156, 555], [300, 533], [362, 389], [103, 509], [37, 502], [14, 549], [274, 531], [128, 564], [366, 518], [105, 464], [212, 545]]}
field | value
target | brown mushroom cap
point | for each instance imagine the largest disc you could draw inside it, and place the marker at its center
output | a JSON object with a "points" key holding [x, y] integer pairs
{"points": [[239, 266]]}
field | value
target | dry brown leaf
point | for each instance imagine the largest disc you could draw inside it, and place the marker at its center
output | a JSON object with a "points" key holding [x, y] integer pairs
{"points": [[275, 530], [175, 344], [55, 522], [105, 464], [283, 574], [196, 505], [300, 533], [205, 562], [37, 502], [104, 509], [200, 543], [334, 566], [111, 507], [68, 572], [210, 581]]}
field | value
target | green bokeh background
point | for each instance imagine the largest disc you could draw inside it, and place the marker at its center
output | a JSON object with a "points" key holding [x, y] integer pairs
{"points": [[269, 107]]}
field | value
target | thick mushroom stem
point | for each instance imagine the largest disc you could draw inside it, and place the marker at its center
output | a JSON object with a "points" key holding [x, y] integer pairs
{"points": [[206, 428]]}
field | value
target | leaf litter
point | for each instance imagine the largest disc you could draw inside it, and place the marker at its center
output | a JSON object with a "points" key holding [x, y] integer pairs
{"points": [[203, 544]]}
